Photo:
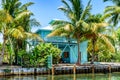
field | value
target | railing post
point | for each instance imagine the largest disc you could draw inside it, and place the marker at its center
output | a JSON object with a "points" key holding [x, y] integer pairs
{"points": [[74, 69], [53, 70], [109, 67], [93, 69]]}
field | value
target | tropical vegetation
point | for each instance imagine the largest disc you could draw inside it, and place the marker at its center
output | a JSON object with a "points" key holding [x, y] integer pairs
{"points": [[38, 56]]}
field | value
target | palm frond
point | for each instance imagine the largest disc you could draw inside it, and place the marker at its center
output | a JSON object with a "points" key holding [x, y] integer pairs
{"points": [[102, 24], [33, 36], [23, 14], [82, 25], [56, 32], [66, 5], [105, 16], [109, 9], [68, 28], [56, 22], [25, 6], [5, 16], [107, 42], [34, 22], [17, 33], [17, 4], [77, 8], [112, 12], [65, 10], [86, 11]]}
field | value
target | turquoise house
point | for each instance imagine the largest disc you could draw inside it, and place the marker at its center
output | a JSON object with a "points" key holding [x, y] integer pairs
{"points": [[69, 49]]}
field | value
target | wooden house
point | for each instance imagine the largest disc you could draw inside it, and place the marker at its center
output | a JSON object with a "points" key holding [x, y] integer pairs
{"points": [[69, 48]]}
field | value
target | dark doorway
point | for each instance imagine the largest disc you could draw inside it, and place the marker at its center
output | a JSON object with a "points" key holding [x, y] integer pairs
{"points": [[65, 57]]}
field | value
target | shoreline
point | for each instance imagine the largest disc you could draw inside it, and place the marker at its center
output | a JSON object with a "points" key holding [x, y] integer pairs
{"points": [[102, 67]]}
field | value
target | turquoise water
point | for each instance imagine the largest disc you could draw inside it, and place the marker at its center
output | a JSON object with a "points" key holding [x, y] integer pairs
{"points": [[112, 76]]}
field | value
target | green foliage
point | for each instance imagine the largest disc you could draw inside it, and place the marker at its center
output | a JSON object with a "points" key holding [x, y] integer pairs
{"points": [[116, 57], [43, 50], [38, 56], [105, 56], [23, 58]]}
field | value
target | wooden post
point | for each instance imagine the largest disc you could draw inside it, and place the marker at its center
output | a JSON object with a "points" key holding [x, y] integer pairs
{"points": [[93, 70], [74, 69], [53, 70], [109, 67]]}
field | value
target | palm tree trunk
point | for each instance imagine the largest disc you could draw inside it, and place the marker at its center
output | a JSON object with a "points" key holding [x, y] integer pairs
{"points": [[79, 54], [93, 51]]}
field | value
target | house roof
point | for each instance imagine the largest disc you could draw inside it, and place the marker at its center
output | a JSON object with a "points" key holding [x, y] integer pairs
{"points": [[49, 27]]}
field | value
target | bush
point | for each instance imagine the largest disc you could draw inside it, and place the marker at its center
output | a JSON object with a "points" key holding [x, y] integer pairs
{"points": [[39, 55], [42, 51]]}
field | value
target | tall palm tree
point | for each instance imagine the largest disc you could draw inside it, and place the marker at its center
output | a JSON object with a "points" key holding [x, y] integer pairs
{"points": [[113, 12], [5, 19], [76, 26], [96, 34], [21, 23]]}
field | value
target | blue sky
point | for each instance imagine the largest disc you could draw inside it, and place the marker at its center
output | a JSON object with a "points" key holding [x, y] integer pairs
{"points": [[46, 10]]}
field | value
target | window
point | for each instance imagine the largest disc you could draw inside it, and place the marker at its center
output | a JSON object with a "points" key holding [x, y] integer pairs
{"points": [[66, 54]]}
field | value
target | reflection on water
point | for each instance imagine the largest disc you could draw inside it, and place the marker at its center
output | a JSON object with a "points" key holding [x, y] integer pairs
{"points": [[113, 76]]}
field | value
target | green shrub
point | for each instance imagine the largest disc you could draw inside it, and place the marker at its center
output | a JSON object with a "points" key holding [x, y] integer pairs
{"points": [[43, 50], [38, 56]]}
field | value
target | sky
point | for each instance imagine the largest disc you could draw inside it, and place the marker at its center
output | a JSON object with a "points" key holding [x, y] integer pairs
{"points": [[47, 10]]}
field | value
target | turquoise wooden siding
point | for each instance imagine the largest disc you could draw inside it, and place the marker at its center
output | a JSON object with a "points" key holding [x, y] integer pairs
{"points": [[83, 49], [74, 52]]}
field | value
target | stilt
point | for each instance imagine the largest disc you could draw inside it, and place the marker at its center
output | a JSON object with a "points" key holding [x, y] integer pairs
{"points": [[53, 70], [93, 70], [109, 68], [74, 69]]}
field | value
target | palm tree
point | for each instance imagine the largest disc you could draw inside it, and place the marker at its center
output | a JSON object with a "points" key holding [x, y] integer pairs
{"points": [[76, 26], [97, 35], [21, 23], [113, 12], [5, 19]]}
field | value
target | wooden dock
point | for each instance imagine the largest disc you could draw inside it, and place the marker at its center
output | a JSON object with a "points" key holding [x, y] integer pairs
{"points": [[91, 68], [61, 69]]}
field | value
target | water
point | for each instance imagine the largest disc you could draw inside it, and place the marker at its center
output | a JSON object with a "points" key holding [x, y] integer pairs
{"points": [[113, 76]]}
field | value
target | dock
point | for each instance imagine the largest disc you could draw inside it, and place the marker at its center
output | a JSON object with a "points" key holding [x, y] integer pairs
{"points": [[59, 69], [86, 68]]}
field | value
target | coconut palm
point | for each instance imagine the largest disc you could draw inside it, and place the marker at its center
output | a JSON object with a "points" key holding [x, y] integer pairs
{"points": [[5, 19], [96, 34], [75, 27], [21, 23], [113, 12]]}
